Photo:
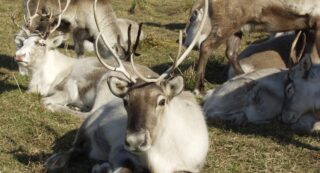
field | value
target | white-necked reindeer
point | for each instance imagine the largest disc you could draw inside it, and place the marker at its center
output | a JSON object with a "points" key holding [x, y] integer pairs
{"points": [[80, 37], [63, 80], [301, 105], [227, 17], [156, 125], [276, 52]]}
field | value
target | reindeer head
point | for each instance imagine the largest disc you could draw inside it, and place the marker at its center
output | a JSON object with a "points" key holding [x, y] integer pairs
{"points": [[145, 99], [145, 104], [35, 48], [193, 25], [34, 44], [301, 89]]}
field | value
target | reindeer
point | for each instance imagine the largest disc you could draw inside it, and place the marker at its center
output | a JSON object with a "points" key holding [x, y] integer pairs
{"points": [[276, 52], [76, 15], [155, 126], [227, 18], [62, 80], [301, 106], [81, 35], [257, 97]]}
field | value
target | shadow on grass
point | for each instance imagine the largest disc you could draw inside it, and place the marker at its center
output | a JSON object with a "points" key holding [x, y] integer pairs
{"points": [[64, 143], [8, 62], [216, 71], [6, 87], [278, 132], [169, 26]]}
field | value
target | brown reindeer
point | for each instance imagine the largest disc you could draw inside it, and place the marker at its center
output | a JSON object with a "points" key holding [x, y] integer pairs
{"points": [[227, 17], [276, 52], [76, 16]]}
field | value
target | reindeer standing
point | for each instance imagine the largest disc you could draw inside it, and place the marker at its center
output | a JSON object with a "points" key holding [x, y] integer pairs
{"points": [[76, 16], [155, 126], [227, 17]]}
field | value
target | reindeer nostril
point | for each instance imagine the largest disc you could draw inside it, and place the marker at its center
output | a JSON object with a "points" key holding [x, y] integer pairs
{"points": [[144, 143]]}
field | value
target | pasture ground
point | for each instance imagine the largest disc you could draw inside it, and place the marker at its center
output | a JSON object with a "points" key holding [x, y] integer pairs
{"points": [[29, 133]]}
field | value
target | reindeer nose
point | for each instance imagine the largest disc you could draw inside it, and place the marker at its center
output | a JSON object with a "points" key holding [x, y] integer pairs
{"points": [[137, 141], [19, 58], [288, 117]]}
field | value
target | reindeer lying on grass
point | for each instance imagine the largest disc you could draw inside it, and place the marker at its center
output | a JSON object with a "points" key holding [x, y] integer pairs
{"points": [[81, 35], [62, 80], [257, 97], [227, 17], [276, 52], [155, 126]]}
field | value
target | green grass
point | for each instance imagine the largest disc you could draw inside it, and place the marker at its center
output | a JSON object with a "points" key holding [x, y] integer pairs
{"points": [[29, 133]]}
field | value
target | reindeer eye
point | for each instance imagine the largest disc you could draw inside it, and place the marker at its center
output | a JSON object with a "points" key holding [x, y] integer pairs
{"points": [[193, 16], [290, 89], [125, 101], [162, 102]]}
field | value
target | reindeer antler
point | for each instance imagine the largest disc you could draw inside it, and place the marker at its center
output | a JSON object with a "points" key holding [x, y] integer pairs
{"points": [[121, 68], [13, 18], [29, 19], [294, 55], [180, 59]]}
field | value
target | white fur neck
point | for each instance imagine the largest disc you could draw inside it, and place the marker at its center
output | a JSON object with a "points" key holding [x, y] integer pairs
{"points": [[50, 72]]}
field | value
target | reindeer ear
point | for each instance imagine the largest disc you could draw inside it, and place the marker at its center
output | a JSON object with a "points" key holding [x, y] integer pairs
{"points": [[119, 87], [174, 86], [302, 69], [56, 41]]}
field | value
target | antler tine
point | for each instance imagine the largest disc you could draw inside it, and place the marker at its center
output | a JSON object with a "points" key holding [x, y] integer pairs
{"points": [[293, 56], [31, 18], [129, 49], [148, 80], [136, 44], [60, 15], [21, 27], [120, 67], [178, 60], [189, 49]]}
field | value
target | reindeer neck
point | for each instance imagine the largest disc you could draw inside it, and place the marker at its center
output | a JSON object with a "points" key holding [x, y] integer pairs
{"points": [[53, 70]]}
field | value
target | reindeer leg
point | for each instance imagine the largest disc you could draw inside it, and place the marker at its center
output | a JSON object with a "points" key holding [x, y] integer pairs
{"points": [[58, 161], [213, 41], [232, 52], [79, 36], [317, 35]]}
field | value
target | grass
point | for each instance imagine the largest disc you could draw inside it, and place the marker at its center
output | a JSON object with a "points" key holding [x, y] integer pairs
{"points": [[29, 133]]}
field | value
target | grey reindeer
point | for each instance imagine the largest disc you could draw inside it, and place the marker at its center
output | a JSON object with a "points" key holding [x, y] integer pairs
{"points": [[256, 97]]}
